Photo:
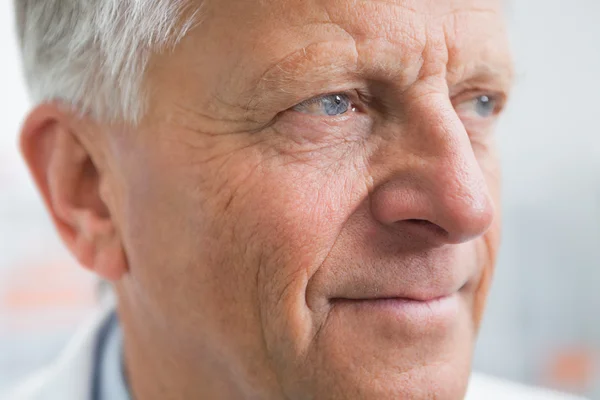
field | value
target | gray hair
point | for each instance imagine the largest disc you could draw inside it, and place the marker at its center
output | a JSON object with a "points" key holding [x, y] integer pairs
{"points": [[92, 54]]}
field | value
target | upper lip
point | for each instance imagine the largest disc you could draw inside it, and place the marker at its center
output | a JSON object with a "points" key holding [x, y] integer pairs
{"points": [[422, 281]]}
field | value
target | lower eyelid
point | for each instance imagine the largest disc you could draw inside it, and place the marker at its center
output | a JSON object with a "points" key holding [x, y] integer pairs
{"points": [[319, 122], [323, 118]]}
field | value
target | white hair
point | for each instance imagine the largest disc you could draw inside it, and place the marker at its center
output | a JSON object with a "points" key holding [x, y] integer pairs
{"points": [[92, 54]]}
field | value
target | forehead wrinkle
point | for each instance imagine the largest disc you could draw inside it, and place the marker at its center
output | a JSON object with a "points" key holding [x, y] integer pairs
{"points": [[485, 64], [426, 5], [295, 58], [406, 39], [396, 18]]}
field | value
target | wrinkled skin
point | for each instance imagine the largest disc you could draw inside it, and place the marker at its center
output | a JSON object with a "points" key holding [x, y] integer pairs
{"points": [[244, 234]]}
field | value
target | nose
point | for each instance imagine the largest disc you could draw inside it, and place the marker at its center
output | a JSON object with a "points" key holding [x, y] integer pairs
{"points": [[430, 183]]}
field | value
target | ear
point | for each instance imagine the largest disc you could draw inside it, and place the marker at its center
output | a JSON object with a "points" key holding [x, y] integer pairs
{"points": [[74, 189]]}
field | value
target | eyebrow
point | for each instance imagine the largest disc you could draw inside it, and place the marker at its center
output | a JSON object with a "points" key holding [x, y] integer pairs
{"points": [[501, 75], [300, 73]]}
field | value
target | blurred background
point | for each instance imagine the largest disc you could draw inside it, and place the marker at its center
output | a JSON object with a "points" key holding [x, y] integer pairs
{"points": [[543, 320]]}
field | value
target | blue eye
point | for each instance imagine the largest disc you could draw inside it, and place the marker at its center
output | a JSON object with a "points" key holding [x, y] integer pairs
{"points": [[329, 105], [485, 106]]}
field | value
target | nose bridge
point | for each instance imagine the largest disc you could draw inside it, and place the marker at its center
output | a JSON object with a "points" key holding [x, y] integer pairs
{"points": [[442, 142], [434, 128]]}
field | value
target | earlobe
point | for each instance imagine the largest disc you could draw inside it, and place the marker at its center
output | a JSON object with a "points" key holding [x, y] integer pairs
{"points": [[70, 176], [109, 261]]}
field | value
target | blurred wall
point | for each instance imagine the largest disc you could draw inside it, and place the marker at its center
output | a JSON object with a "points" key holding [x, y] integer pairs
{"points": [[542, 324], [545, 301]]}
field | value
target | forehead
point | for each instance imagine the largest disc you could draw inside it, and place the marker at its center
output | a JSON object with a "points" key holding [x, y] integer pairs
{"points": [[244, 42]]}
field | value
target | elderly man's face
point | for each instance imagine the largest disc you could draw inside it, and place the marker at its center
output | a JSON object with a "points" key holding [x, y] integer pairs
{"points": [[311, 205]]}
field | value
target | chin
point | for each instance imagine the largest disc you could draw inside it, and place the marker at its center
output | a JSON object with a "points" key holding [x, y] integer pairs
{"points": [[444, 380], [376, 354]]}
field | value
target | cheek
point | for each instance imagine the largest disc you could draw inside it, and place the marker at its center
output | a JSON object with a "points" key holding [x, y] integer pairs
{"points": [[303, 217], [488, 244], [190, 255], [165, 230], [297, 210], [197, 233], [297, 203]]}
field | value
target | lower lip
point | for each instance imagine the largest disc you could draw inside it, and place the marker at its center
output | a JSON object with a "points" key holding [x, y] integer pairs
{"points": [[440, 310]]}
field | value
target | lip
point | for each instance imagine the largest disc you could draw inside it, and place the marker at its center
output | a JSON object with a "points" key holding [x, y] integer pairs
{"points": [[441, 310]]}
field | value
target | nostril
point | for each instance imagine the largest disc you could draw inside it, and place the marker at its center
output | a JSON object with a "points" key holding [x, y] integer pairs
{"points": [[428, 225], [418, 221]]}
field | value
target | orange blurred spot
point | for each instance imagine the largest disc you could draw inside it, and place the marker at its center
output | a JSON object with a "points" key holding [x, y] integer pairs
{"points": [[19, 300], [572, 369], [51, 286]]}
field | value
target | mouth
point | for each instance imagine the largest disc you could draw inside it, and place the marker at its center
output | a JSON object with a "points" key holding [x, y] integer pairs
{"points": [[425, 297], [422, 296], [419, 312]]}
